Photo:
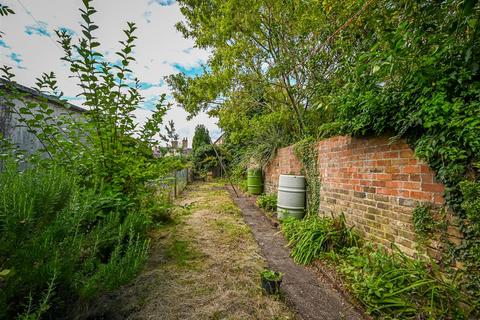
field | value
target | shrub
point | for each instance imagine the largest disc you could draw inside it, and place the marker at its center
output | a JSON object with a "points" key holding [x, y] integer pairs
{"points": [[313, 236], [243, 185], [267, 201], [60, 242], [392, 285], [389, 284]]}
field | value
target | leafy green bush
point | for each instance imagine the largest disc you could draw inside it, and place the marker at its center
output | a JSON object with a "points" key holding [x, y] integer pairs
{"points": [[243, 184], [62, 241], [394, 286], [313, 236], [267, 201]]}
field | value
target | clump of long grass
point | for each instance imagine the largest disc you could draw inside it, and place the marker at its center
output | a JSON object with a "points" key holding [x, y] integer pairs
{"points": [[390, 284], [394, 286], [311, 237]]}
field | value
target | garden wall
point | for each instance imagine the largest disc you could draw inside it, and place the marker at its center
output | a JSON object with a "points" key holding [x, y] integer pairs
{"points": [[375, 183]]}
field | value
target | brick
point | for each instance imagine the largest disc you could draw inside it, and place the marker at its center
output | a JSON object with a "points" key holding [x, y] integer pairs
{"points": [[382, 198], [433, 187], [391, 155], [420, 195], [383, 205], [406, 154], [410, 185], [394, 184], [411, 169], [407, 202], [401, 177], [383, 176], [359, 194], [369, 189]]}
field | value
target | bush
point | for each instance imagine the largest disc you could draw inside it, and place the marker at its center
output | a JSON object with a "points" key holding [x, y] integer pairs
{"points": [[389, 284], [243, 185], [313, 236], [267, 201], [392, 285], [60, 242]]}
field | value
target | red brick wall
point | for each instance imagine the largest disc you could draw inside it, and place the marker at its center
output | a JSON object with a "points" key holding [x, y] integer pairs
{"points": [[375, 183], [285, 162]]}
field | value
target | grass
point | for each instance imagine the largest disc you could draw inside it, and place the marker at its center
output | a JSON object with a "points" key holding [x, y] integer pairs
{"points": [[182, 253], [206, 265]]}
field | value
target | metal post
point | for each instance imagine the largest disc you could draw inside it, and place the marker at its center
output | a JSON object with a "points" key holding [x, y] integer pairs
{"points": [[222, 168]]}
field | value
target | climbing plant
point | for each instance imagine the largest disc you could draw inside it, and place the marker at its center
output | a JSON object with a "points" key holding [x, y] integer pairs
{"points": [[307, 151]]}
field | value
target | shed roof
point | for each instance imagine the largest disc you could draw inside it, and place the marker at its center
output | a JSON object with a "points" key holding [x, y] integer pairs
{"points": [[35, 93]]}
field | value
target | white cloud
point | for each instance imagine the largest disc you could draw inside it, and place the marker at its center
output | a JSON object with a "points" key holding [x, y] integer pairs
{"points": [[158, 48]]}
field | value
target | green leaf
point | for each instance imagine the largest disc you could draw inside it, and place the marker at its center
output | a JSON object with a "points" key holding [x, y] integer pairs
{"points": [[468, 6]]}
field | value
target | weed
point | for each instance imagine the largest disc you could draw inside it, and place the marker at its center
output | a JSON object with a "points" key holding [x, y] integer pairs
{"points": [[313, 236], [267, 201], [392, 285]]}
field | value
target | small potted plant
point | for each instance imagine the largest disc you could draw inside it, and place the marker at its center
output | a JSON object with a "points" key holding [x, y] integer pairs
{"points": [[271, 281]]}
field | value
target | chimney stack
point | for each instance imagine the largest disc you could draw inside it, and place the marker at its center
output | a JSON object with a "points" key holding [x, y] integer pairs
{"points": [[175, 144]]}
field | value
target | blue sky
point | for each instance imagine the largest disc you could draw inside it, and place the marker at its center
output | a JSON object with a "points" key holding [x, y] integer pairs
{"points": [[29, 46]]}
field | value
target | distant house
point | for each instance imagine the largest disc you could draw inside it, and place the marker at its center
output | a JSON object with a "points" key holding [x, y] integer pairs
{"points": [[220, 140], [17, 132]]}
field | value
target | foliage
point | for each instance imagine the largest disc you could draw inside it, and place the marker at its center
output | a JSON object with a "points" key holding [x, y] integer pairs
{"points": [[271, 275], [394, 286], [62, 242], [306, 150], [204, 156], [404, 68], [201, 137], [5, 10], [243, 185], [311, 237], [267, 201], [171, 138], [73, 223], [423, 220], [101, 143], [389, 284]]}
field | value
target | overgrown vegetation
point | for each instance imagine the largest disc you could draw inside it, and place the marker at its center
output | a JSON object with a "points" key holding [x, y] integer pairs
{"points": [[406, 69], [389, 284], [74, 215], [203, 155], [267, 201], [306, 150], [311, 237], [394, 286]]}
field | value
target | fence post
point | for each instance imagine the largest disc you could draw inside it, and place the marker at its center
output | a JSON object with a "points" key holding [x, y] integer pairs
{"points": [[175, 182]]}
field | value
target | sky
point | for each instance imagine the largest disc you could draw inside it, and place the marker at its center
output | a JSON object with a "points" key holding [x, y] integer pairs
{"points": [[29, 46]]}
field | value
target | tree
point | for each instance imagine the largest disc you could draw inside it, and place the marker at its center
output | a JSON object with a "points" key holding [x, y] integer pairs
{"points": [[203, 154], [171, 137], [201, 137]]}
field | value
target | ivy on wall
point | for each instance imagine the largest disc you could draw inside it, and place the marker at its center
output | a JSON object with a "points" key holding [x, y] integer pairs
{"points": [[306, 150]]}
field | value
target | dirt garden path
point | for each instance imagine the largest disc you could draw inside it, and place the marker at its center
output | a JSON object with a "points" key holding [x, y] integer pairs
{"points": [[309, 294], [206, 265]]}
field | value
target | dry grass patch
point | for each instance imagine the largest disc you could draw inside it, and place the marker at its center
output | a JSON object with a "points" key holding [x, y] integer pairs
{"points": [[205, 266]]}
